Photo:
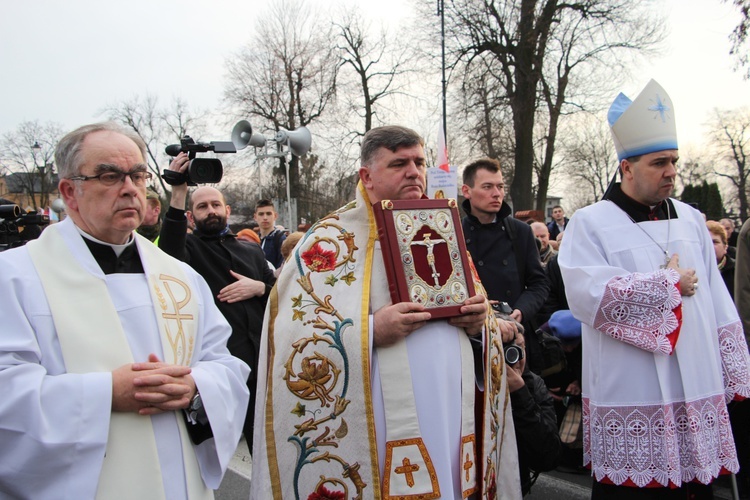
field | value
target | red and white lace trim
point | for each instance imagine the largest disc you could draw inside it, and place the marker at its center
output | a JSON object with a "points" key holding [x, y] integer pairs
{"points": [[734, 361], [638, 309], [677, 442]]}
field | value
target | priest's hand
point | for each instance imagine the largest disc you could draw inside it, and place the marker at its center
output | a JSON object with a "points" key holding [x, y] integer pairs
{"points": [[473, 313], [394, 322], [151, 387], [242, 289], [688, 279]]}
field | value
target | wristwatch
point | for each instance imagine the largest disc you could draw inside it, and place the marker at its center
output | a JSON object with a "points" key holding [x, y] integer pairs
{"points": [[196, 413]]}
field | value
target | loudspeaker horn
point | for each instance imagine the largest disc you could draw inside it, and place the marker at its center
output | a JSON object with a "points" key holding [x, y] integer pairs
{"points": [[242, 134], [257, 140], [299, 140]]}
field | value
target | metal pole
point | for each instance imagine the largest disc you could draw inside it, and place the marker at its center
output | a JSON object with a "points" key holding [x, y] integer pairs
{"points": [[441, 13], [288, 196]]}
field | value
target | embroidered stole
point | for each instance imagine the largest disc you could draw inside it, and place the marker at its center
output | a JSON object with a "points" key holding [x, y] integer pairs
{"points": [[408, 470], [92, 340]]}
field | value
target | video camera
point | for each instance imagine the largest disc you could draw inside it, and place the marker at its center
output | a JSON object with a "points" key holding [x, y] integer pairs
{"points": [[200, 170], [13, 217]]}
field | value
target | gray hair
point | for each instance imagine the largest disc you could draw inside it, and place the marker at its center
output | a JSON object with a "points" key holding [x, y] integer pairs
{"points": [[68, 151], [392, 137]]}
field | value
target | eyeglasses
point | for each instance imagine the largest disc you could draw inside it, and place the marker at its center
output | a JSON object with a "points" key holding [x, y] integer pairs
{"points": [[110, 178]]}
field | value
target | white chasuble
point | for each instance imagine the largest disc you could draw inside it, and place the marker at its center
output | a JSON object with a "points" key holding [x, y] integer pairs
{"points": [[658, 367], [335, 410]]}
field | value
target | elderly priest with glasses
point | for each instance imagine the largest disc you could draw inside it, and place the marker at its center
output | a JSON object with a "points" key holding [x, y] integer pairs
{"points": [[116, 378]]}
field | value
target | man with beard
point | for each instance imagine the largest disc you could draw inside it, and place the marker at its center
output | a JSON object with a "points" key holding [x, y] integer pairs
{"points": [[236, 271]]}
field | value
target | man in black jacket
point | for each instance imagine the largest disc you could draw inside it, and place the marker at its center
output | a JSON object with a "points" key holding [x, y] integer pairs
{"points": [[503, 249], [236, 271]]}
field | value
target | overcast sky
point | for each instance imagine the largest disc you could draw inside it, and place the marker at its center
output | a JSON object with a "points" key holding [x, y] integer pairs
{"points": [[65, 61]]}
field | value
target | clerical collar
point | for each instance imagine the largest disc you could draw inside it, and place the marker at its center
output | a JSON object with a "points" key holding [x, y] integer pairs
{"points": [[118, 249], [638, 211], [114, 258]]}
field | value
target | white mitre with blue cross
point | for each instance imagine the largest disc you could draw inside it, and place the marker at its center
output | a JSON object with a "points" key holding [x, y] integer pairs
{"points": [[645, 125]]}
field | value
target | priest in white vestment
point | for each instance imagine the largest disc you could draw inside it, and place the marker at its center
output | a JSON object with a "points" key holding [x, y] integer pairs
{"points": [[368, 399], [663, 347], [116, 378]]}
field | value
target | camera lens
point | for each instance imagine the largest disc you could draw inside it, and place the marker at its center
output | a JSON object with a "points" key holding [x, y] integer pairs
{"points": [[513, 354]]}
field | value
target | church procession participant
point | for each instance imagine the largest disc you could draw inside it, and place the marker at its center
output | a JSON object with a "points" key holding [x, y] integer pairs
{"points": [[112, 354], [368, 399], [664, 350]]}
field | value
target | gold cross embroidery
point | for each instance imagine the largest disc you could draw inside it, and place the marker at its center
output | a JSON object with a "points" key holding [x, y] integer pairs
{"points": [[468, 464], [408, 469]]}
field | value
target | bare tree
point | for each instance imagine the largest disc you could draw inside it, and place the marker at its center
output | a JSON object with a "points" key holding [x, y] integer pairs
{"points": [[484, 115], [581, 46], [730, 135], [588, 157], [287, 76], [739, 37], [33, 166], [528, 39], [376, 64], [157, 126]]}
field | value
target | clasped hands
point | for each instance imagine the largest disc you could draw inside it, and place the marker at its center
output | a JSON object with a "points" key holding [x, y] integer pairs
{"points": [[394, 322], [152, 387]]}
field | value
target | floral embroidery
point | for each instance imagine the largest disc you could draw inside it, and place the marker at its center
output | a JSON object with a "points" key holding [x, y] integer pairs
{"points": [[676, 442], [638, 309], [316, 370], [319, 260], [734, 361], [323, 493]]}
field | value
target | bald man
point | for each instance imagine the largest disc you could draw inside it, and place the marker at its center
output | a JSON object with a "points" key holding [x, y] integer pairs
{"points": [[236, 271], [542, 234]]}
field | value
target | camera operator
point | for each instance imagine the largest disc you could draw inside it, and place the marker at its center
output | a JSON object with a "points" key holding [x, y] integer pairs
{"points": [[236, 271], [534, 418]]}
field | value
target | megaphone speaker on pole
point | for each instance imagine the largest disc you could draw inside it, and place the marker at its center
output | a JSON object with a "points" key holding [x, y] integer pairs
{"points": [[299, 140], [242, 134]]}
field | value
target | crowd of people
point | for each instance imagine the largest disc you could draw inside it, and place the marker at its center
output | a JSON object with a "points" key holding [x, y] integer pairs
{"points": [[136, 358]]}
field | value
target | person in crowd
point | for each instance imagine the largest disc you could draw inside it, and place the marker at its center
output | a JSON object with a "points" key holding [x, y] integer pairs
{"points": [[723, 260], [556, 299], [271, 237], [236, 271], [565, 388], [248, 235], [534, 420], [742, 276], [366, 398], [151, 225], [289, 244], [541, 233], [739, 411], [640, 274], [732, 235], [503, 249], [117, 381], [558, 223]]}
